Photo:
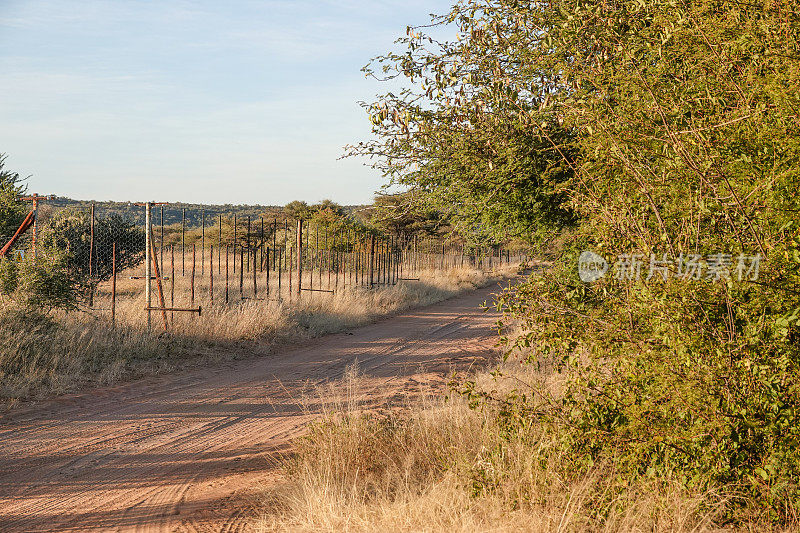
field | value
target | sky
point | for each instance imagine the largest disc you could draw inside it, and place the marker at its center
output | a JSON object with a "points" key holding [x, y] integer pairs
{"points": [[240, 102]]}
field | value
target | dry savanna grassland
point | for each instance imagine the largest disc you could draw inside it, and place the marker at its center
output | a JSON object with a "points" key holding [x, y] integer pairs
{"points": [[437, 463], [46, 354]]}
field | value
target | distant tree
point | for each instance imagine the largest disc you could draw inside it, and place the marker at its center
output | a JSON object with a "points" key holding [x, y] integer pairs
{"points": [[69, 230], [329, 205], [298, 210], [398, 214]]}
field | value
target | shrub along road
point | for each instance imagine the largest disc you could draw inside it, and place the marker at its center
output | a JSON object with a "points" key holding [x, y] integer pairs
{"points": [[184, 451]]}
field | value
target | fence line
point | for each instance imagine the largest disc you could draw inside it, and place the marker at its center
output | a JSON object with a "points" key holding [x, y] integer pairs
{"points": [[237, 259]]}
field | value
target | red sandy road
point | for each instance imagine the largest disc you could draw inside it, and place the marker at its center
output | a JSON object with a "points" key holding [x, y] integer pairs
{"points": [[165, 454]]}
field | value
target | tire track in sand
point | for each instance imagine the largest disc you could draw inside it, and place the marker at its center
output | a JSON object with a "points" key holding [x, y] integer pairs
{"points": [[174, 453]]}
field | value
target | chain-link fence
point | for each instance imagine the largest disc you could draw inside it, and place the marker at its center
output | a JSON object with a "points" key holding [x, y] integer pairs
{"points": [[158, 260]]}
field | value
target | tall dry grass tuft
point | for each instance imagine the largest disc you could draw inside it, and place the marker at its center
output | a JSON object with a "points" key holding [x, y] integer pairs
{"points": [[53, 354], [442, 466], [49, 354]]}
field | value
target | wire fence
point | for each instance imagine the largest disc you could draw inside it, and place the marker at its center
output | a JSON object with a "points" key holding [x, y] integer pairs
{"points": [[176, 261]]}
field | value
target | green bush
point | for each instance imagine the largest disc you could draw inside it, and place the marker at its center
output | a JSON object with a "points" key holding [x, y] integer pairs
{"points": [[663, 127], [43, 282], [9, 276]]}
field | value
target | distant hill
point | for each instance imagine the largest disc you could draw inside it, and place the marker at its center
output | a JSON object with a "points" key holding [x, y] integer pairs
{"points": [[173, 213]]}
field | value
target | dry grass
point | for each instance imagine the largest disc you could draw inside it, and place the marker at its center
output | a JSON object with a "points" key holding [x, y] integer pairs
{"points": [[315, 313], [43, 355], [442, 466]]}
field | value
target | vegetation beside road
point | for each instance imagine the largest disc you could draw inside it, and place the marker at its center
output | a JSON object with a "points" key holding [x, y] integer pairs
{"points": [[658, 131]]}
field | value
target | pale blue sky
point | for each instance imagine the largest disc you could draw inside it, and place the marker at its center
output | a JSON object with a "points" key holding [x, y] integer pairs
{"points": [[213, 102]]}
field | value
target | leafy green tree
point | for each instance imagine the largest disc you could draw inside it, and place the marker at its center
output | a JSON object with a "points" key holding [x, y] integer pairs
{"points": [[651, 127], [45, 283], [471, 139], [70, 230], [329, 205], [12, 209], [298, 210], [400, 215]]}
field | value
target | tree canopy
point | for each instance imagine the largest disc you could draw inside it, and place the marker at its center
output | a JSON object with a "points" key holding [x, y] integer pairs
{"points": [[649, 129]]}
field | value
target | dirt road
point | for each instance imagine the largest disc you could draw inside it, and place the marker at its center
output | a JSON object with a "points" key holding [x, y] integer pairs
{"points": [[181, 452]]}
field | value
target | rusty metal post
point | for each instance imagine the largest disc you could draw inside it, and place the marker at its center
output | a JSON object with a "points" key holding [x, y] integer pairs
{"points": [[328, 262], [392, 261], [194, 268], [160, 241], [247, 241], [255, 284], [279, 259], [91, 255], [261, 262], [113, 284], [299, 256], [162, 305], [336, 261], [91, 241], [359, 262], [372, 262], [183, 242], [281, 255], [148, 272], [262, 265], [309, 255], [211, 274], [36, 224], [234, 243], [172, 279], [351, 246], [288, 257], [241, 270]]}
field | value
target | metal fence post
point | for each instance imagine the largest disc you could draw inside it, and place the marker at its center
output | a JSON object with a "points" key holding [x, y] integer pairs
{"points": [[372, 262], [299, 256], [183, 242], [147, 260], [91, 242], [91, 256], [113, 283]]}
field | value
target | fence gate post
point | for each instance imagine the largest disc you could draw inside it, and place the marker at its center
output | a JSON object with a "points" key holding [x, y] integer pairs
{"points": [[147, 259]]}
